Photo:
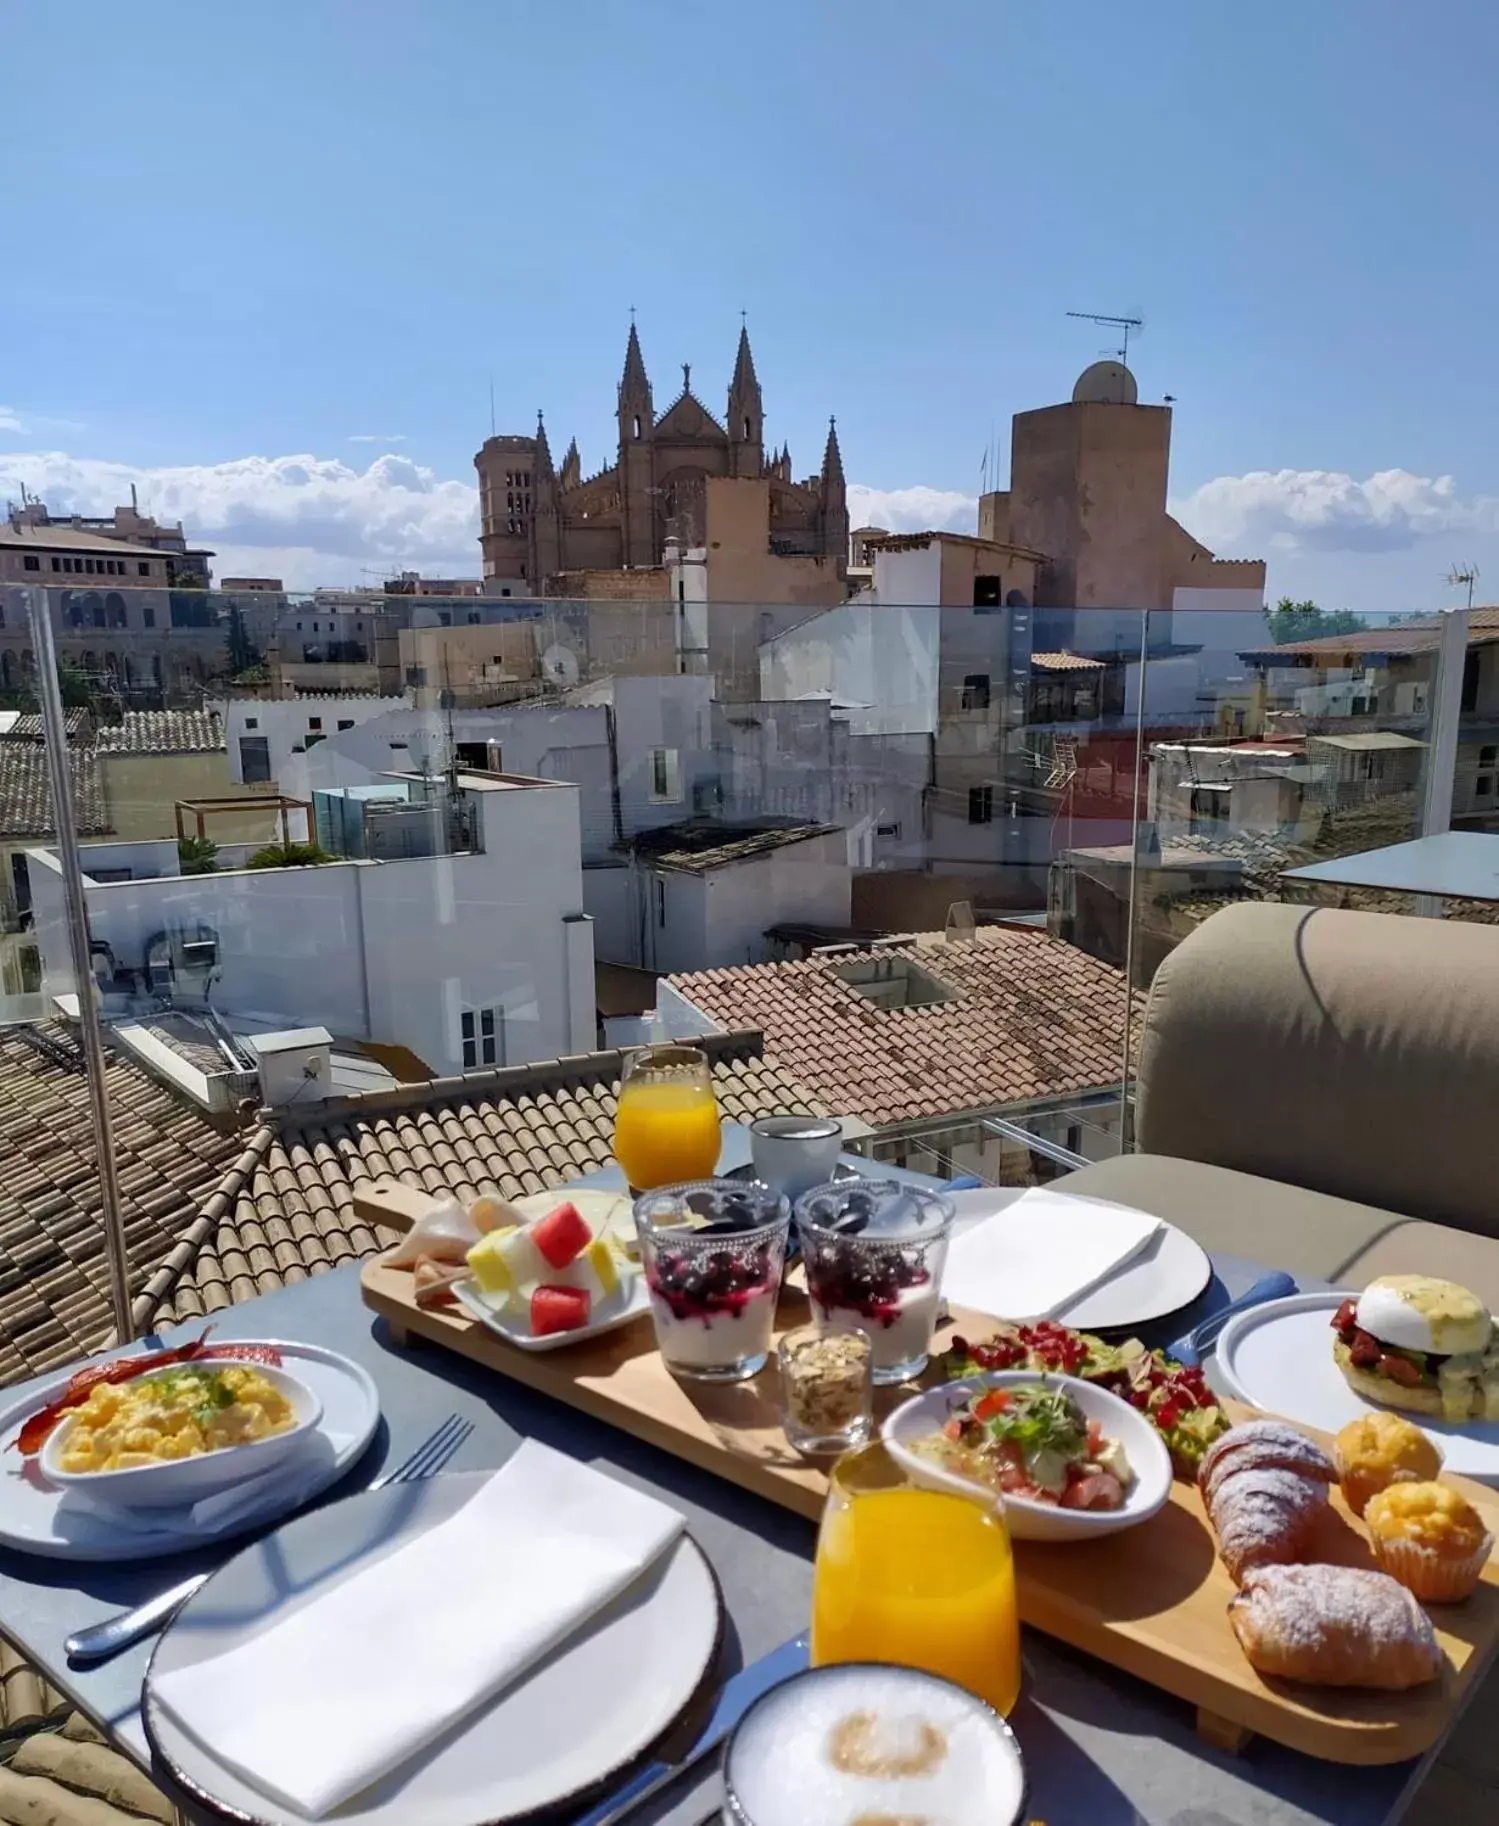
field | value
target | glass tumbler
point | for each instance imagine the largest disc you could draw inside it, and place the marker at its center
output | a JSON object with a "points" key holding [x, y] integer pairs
{"points": [[713, 1251], [874, 1251]]}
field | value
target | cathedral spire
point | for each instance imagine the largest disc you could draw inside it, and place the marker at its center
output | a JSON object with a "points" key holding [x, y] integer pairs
{"points": [[745, 383], [635, 385], [543, 459], [571, 472], [746, 418], [832, 457]]}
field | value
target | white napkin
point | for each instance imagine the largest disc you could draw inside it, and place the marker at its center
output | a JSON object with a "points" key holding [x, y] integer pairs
{"points": [[326, 1701], [1042, 1253], [277, 1491]]}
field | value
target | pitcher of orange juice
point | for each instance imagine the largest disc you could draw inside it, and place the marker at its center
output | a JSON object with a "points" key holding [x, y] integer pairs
{"points": [[666, 1128], [919, 1577]]}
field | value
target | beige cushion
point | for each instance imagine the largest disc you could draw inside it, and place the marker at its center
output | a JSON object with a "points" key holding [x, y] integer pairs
{"points": [[1353, 1053], [1284, 1226]]}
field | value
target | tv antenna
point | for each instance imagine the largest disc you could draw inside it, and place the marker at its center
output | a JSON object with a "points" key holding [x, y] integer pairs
{"points": [[1464, 575], [1123, 324]]}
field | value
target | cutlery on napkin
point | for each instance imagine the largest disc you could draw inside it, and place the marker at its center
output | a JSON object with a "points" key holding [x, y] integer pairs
{"points": [[322, 1702], [1042, 1253]]}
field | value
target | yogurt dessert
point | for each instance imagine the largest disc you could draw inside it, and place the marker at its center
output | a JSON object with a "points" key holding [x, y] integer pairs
{"points": [[856, 1743], [712, 1252], [874, 1251]]}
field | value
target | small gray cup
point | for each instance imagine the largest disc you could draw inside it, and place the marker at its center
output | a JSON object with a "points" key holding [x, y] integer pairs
{"points": [[795, 1153]]}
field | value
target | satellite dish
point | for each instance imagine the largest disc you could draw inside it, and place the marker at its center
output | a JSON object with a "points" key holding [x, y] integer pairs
{"points": [[1106, 383], [559, 666], [423, 617]]}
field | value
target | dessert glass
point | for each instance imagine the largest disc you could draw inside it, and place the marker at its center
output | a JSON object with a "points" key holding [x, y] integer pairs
{"points": [[712, 1251]]}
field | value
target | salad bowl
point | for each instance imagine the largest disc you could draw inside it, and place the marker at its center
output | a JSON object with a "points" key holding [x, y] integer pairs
{"points": [[911, 1430]]}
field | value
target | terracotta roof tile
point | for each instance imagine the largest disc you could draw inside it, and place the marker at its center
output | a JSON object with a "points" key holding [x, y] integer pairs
{"points": [[1029, 1018]]}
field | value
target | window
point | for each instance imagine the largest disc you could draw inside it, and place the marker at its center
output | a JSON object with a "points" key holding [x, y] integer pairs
{"points": [[504, 592], [473, 618], [1487, 757], [981, 805], [346, 722], [748, 433], [148, 617], [314, 722], [1470, 681], [481, 1048], [1483, 787], [660, 901], [57, 564], [988, 592], [252, 722], [143, 567], [31, 562], [887, 830], [976, 691], [254, 760], [666, 779]]}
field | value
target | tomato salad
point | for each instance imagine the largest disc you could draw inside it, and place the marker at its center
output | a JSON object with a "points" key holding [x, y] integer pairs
{"points": [[1031, 1442], [1176, 1400]]}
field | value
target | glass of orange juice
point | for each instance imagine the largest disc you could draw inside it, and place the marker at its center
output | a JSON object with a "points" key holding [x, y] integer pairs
{"points": [[666, 1127], [916, 1577]]}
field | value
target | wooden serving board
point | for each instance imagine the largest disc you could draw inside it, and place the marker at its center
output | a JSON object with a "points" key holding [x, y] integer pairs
{"points": [[1151, 1601]]}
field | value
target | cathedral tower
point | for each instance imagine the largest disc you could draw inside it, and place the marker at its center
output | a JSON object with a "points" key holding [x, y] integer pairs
{"points": [[746, 420], [637, 479]]}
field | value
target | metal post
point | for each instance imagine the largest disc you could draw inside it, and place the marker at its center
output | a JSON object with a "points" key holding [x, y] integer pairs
{"points": [[1134, 886], [49, 697], [1441, 747]]}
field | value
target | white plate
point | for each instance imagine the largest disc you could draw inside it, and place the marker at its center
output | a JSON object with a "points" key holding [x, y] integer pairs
{"points": [[1279, 1357], [581, 1716], [1167, 1275], [35, 1519], [608, 1214], [632, 1301], [1028, 1521]]}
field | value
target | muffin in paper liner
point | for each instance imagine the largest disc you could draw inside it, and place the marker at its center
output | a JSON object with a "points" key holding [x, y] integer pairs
{"points": [[1434, 1578]]}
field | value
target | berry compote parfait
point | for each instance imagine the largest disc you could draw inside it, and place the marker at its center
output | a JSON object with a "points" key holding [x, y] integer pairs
{"points": [[874, 1251], [712, 1251]]}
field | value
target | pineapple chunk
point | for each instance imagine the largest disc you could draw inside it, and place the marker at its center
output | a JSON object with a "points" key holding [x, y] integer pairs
{"points": [[492, 1264]]}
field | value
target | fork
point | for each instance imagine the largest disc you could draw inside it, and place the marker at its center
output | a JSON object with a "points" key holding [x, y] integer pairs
{"points": [[102, 1641]]}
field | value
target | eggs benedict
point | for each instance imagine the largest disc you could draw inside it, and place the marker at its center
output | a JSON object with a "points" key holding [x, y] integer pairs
{"points": [[1424, 1345]]}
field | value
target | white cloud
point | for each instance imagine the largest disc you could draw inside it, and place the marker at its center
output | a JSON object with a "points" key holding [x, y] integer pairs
{"points": [[320, 520], [377, 437], [912, 510], [10, 420], [1312, 510], [315, 520]]}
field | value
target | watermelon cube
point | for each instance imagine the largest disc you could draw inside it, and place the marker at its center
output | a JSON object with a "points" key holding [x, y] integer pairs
{"points": [[561, 1236], [555, 1309]]}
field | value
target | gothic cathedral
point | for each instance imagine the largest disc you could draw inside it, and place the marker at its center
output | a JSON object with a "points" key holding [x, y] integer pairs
{"points": [[540, 519]]}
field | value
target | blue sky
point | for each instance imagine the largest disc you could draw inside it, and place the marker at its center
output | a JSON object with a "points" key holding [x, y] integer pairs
{"points": [[265, 260]]}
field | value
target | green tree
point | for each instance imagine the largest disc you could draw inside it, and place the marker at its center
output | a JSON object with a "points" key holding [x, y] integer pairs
{"points": [[243, 653], [287, 856], [197, 855], [76, 694], [1305, 621]]}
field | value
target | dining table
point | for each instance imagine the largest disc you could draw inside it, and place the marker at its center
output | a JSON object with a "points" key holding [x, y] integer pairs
{"points": [[1102, 1748]]}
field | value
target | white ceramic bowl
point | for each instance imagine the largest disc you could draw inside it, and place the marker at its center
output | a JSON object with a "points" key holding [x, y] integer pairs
{"points": [[1029, 1521], [189, 1480]]}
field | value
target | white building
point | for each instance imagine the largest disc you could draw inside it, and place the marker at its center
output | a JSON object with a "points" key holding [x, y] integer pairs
{"points": [[267, 735], [479, 957], [704, 895]]}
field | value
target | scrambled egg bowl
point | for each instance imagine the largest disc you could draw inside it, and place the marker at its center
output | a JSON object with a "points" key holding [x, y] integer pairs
{"points": [[178, 1413]]}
